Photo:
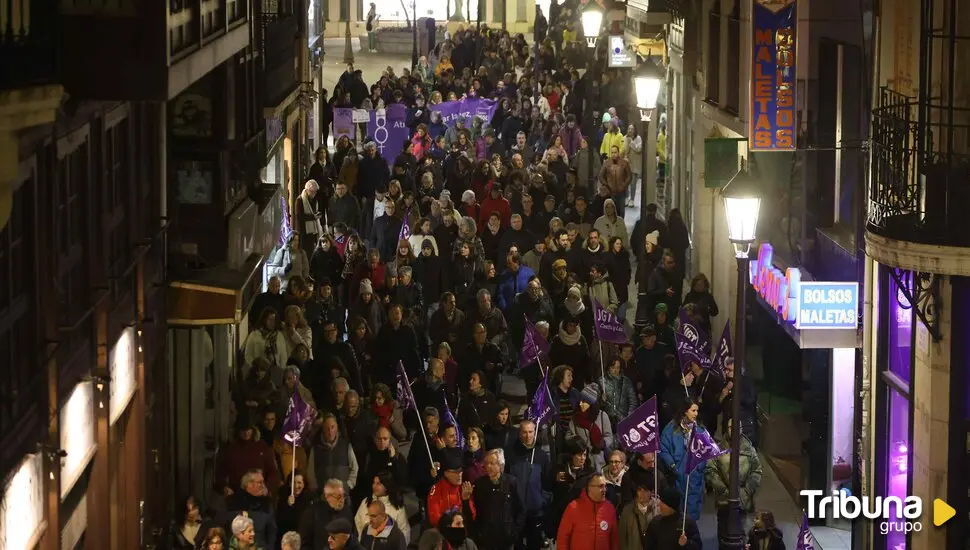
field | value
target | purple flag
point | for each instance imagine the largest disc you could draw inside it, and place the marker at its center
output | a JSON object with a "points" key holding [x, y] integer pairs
{"points": [[541, 405], [389, 130], [405, 232], [299, 420], [639, 432], [534, 345], [285, 229], [695, 334], [701, 448], [405, 399], [687, 354], [468, 108], [806, 541], [450, 420], [724, 350], [607, 327], [343, 124]]}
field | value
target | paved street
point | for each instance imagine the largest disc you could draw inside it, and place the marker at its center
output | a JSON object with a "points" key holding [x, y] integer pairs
{"points": [[772, 496]]}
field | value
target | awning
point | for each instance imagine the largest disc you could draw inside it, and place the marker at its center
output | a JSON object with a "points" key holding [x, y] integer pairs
{"points": [[217, 296]]}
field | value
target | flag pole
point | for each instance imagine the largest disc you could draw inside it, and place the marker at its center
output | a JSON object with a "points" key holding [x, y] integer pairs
{"points": [[427, 445], [683, 525], [293, 472]]}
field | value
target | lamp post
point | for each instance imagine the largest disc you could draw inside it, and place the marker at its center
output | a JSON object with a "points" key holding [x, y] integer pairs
{"points": [[414, 34], [742, 201], [592, 21], [535, 56], [647, 81]]}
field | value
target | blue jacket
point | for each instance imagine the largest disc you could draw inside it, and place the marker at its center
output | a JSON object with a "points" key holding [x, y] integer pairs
{"points": [[511, 284], [532, 474], [673, 454]]}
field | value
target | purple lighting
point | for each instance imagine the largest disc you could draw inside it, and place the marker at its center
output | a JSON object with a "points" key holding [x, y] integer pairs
{"points": [[901, 448]]}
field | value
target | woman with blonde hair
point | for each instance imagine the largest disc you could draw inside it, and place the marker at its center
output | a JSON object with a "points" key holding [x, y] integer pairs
{"points": [[296, 330]]}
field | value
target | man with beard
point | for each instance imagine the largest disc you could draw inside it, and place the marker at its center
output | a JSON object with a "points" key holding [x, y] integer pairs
{"points": [[560, 250], [447, 322], [253, 501], [583, 259], [522, 149], [316, 520], [381, 456]]}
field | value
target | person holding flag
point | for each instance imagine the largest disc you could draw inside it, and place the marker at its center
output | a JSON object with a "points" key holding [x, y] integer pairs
{"points": [[717, 473], [671, 529], [674, 454]]}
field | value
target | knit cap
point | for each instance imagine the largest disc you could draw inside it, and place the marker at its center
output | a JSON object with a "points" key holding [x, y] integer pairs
{"points": [[653, 237], [590, 393], [366, 287]]}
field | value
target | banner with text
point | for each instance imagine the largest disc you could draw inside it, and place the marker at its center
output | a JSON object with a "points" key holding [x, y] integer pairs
{"points": [[468, 108], [773, 120], [387, 127]]}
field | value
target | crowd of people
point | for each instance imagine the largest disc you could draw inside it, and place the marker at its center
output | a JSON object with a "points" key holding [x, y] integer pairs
{"points": [[437, 261]]}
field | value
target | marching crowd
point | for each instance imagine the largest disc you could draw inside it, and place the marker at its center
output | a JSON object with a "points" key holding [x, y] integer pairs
{"points": [[435, 268]]}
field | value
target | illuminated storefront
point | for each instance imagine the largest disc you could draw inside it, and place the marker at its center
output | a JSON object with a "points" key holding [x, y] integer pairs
{"points": [[391, 10], [22, 508]]}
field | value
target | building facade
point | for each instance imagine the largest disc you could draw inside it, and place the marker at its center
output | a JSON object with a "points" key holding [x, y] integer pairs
{"points": [[916, 356]]}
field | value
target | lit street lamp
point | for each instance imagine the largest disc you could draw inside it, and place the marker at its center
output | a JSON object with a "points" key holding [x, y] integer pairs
{"points": [[592, 21], [647, 81], [742, 201]]}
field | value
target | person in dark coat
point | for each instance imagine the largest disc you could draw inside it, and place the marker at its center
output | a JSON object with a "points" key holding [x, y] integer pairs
{"points": [[341, 532], [665, 532], [317, 525], [253, 500], [764, 534], [430, 272], [272, 298], [618, 266], [380, 531], [292, 504], [396, 341], [501, 514], [532, 470]]}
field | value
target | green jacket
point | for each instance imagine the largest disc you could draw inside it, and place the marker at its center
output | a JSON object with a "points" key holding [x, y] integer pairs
{"points": [[718, 474]]}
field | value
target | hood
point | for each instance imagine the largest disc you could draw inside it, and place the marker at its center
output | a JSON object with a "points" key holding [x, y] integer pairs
{"points": [[609, 209]]}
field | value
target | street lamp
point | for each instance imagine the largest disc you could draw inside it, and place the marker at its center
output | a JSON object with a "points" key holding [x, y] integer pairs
{"points": [[742, 201], [592, 20], [647, 81]]}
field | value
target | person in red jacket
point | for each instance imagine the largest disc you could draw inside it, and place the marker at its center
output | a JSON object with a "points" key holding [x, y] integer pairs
{"points": [[590, 521], [449, 493], [495, 202]]}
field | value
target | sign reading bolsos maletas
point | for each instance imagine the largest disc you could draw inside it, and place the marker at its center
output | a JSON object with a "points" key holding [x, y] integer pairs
{"points": [[773, 121], [806, 304]]}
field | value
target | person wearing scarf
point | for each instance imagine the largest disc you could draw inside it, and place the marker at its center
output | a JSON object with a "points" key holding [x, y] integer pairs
{"points": [[452, 528], [591, 427], [473, 458], [614, 471], [569, 347]]}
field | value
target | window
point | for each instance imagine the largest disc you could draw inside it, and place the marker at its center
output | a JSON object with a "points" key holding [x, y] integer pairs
{"points": [[117, 196], [712, 57], [733, 93], [71, 222], [18, 333]]}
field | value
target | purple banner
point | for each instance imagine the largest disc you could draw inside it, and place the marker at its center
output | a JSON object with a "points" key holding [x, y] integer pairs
{"points": [[687, 354], [701, 448], [405, 232], [450, 420], [298, 420], [695, 334], [468, 108], [389, 130], [534, 345], [343, 124], [724, 350], [638, 432], [805, 539], [541, 405], [405, 398], [607, 327]]}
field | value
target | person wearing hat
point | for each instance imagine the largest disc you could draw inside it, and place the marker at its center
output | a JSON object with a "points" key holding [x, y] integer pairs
{"points": [[340, 535], [661, 323], [669, 530], [488, 145], [591, 426], [449, 492], [243, 454], [495, 201], [589, 522]]}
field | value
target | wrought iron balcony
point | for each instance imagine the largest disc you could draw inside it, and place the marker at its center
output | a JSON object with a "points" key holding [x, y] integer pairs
{"points": [[28, 43], [194, 23], [919, 180]]}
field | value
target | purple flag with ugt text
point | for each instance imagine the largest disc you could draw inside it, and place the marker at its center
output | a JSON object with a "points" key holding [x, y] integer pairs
{"points": [[639, 432], [405, 232], [534, 345], [541, 406], [450, 420], [299, 420], [723, 351], [405, 399], [468, 108], [806, 541], [697, 336], [687, 354], [607, 327], [701, 448]]}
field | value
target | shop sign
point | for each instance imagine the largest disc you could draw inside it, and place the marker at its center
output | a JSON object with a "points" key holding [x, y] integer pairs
{"points": [[809, 304], [620, 55], [122, 369], [772, 126], [22, 507], [77, 435], [827, 305]]}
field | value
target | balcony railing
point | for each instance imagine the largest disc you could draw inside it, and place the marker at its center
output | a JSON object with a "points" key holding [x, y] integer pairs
{"points": [[28, 52], [193, 23], [919, 190]]}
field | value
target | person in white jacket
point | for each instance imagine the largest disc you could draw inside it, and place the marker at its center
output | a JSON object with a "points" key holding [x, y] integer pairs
{"points": [[266, 340], [611, 225], [384, 489], [634, 155]]}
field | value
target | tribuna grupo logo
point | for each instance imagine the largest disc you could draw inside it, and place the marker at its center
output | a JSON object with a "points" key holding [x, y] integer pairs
{"points": [[894, 514]]}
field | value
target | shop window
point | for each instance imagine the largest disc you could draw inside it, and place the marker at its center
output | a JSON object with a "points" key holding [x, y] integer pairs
{"points": [[900, 330], [897, 464], [71, 212]]}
